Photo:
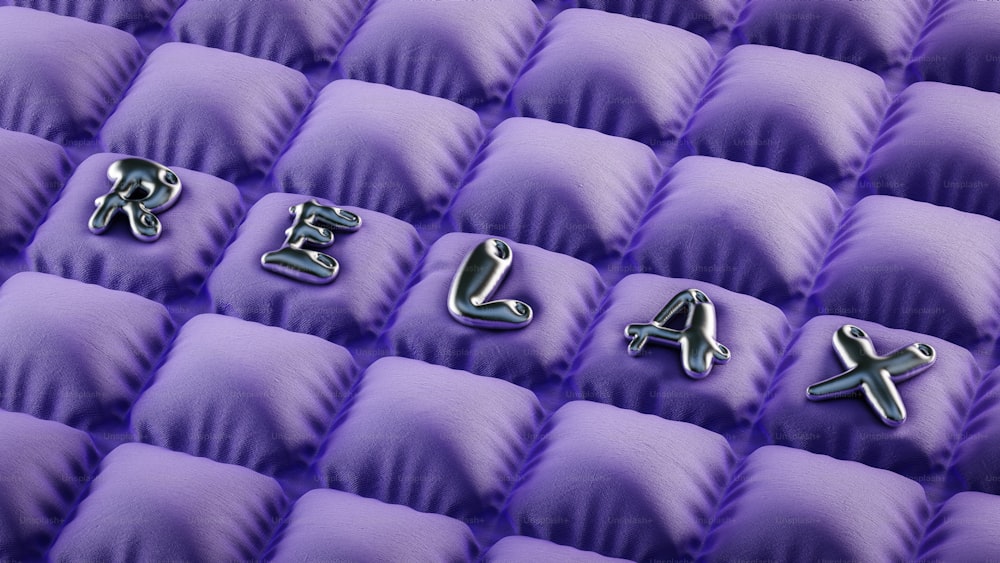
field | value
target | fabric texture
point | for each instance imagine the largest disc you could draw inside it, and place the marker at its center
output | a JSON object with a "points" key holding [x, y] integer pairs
{"points": [[34, 172]]}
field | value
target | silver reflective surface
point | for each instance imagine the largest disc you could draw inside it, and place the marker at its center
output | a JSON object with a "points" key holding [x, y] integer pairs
{"points": [[699, 348], [482, 271], [139, 188], [873, 375], [313, 225]]}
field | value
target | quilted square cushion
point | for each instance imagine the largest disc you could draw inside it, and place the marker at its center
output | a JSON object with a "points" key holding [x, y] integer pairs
{"points": [[327, 525], [151, 504], [960, 45], [244, 393], [769, 229], [302, 35], [936, 402], [222, 113], [33, 173], [619, 75], [375, 262], [698, 16], [61, 94], [44, 465], [913, 265], [964, 529], [467, 52], [520, 548], [133, 16], [654, 382], [433, 438], [620, 483], [359, 146], [82, 357], [874, 35], [939, 144], [570, 190], [563, 293], [977, 457], [791, 505], [788, 111], [194, 232]]}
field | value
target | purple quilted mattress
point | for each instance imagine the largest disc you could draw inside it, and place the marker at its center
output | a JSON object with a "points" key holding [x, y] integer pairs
{"points": [[499, 280]]}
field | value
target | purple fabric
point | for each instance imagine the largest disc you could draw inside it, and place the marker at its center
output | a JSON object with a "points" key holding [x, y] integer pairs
{"points": [[699, 16], [183, 108], [359, 146], [978, 454], [788, 111], [790, 505], [375, 262], [569, 190], [520, 548], [873, 35], [33, 173], [562, 291], [939, 144], [62, 95], [195, 231], [964, 529], [467, 52], [151, 504], [576, 75], [960, 45], [44, 465], [620, 483], [759, 246], [298, 34], [243, 393], [334, 526], [75, 353], [725, 402], [913, 265], [433, 438], [133, 16], [847, 428]]}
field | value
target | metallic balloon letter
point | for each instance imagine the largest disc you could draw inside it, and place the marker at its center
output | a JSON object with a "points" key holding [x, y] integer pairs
{"points": [[482, 271], [313, 225], [140, 188]]}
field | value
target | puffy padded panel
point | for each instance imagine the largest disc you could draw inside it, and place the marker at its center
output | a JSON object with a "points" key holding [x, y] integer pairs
{"points": [[82, 357], [243, 393], [698, 16], [33, 173], [619, 75], [134, 16], [433, 438], [183, 108], [978, 454], [964, 529], [194, 232], [520, 548], [62, 95], [570, 190], [959, 45]]}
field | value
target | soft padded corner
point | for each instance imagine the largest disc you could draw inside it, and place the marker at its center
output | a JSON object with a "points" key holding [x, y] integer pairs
{"points": [[244, 393], [206, 109], [621, 483], [82, 357], [33, 173], [964, 529], [654, 382], [44, 466], [939, 144], [703, 17], [916, 266], [194, 232], [769, 229], [978, 454], [375, 262], [960, 45], [133, 16], [569, 190], [467, 52], [791, 505], [563, 293], [151, 504], [327, 525], [302, 35], [619, 75], [788, 111], [521, 548], [936, 402], [61, 94], [433, 438], [394, 151]]}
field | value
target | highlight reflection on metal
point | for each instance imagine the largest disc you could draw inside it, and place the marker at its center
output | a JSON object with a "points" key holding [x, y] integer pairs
{"points": [[140, 188], [313, 225], [699, 348], [873, 375], [482, 271]]}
